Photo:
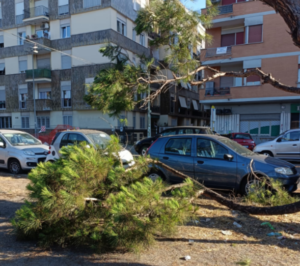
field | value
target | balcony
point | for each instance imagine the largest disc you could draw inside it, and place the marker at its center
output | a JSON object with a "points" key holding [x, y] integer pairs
{"points": [[36, 15], [41, 75], [44, 41], [217, 91], [63, 10], [218, 51], [66, 103], [40, 104], [225, 9], [155, 109]]}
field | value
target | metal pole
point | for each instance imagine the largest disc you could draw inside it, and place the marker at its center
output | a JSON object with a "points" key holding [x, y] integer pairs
{"points": [[34, 109], [149, 113]]}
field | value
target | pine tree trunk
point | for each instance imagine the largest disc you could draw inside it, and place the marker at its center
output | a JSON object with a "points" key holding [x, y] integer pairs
{"points": [[290, 12]]}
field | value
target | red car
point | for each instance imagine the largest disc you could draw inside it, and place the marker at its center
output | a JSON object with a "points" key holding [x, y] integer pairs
{"points": [[244, 139]]}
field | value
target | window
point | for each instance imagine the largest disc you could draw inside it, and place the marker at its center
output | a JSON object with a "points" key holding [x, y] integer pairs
{"points": [[291, 136], [232, 39], [134, 35], [135, 5], [2, 68], [45, 94], [172, 104], [23, 98], [142, 39], [210, 149], [255, 34], [66, 98], [188, 103], [253, 80], [19, 13], [66, 61], [121, 27], [180, 146], [63, 7], [76, 138], [5, 122], [65, 31], [142, 122], [1, 41], [91, 3], [25, 122], [64, 141], [22, 64], [143, 3], [174, 122], [2, 97], [68, 120], [21, 37], [43, 121]]}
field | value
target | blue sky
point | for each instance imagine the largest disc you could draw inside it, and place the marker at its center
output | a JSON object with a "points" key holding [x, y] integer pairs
{"points": [[194, 5]]}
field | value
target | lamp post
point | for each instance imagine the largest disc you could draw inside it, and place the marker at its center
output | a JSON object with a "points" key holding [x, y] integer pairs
{"points": [[35, 51]]}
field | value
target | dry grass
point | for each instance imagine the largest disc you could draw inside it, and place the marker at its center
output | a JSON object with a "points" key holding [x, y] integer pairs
{"points": [[249, 244]]}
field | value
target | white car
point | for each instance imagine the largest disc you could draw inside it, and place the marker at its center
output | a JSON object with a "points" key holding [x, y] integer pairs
{"points": [[93, 138], [20, 151], [286, 146]]}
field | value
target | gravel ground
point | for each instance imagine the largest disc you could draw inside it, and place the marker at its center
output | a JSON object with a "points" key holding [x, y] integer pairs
{"points": [[210, 247]]}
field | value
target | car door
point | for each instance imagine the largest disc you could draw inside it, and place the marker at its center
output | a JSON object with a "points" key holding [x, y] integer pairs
{"points": [[177, 154], [210, 166], [288, 146], [3, 152]]}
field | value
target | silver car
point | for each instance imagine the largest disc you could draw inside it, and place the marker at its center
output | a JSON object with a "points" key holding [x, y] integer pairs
{"points": [[20, 150], [286, 146]]}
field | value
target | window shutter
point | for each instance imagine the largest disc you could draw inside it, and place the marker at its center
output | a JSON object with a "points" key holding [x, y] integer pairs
{"points": [[228, 39], [43, 63], [70, 120], [227, 2], [240, 38], [66, 62], [2, 96], [27, 122], [226, 82], [133, 35], [23, 65], [23, 122], [65, 119], [255, 34], [47, 122], [252, 78]]}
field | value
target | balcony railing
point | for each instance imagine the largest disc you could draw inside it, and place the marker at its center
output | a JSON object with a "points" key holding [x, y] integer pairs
{"points": [[66, 103], [155, 109], [38, 73], [225, 9], [91, 3], [36, 12], [218, 51], [63, 10], [19, 19], [217, 91]]}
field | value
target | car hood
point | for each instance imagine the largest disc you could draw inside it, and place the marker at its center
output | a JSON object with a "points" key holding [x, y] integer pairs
{"points": [[34, 148], [147, 139], [270, 161]]}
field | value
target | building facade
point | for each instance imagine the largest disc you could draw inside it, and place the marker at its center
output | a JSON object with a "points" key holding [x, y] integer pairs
{"points": [[247, 35], [68, 34]]}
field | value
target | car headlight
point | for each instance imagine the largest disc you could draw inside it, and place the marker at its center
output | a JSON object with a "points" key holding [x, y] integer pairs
{"points": [[284, 171], [30, 153]]}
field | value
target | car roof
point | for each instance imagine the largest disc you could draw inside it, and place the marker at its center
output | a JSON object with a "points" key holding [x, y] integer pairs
{"points": [[84, 131], [195, 135], [12, 131], [179, 127]]}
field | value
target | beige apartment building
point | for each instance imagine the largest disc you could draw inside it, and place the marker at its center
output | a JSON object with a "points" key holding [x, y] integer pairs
{"points": [[246, 35]]}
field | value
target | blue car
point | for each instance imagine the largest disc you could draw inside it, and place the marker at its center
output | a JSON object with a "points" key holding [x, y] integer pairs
{"points": [[218, 162]]}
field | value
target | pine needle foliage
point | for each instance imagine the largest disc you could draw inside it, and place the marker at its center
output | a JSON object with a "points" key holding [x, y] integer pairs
{"points": [[130, 208]]}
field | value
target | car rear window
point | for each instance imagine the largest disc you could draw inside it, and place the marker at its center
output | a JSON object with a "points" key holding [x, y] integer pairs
{"points": [[242, 136]]}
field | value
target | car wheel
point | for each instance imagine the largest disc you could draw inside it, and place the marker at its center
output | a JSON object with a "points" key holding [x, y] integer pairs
{"points": [[247, 185], [267, 153], [154, 176], [14, 167], [144, 150]]}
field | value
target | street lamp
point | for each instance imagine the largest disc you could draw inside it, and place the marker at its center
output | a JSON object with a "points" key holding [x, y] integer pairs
{"points": [[34, 51]]}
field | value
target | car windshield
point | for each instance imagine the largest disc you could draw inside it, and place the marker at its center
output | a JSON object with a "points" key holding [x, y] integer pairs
{"points": [[21, 139], [99, 139], [236, 147]]}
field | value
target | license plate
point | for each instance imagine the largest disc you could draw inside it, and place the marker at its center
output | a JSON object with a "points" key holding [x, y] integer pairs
{"points": [[246, 146]]}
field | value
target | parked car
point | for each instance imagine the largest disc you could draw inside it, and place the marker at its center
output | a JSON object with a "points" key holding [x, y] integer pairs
{"points": [[141, 146], [93, 138], [244, 139], [286, 146], [218, 162], [20, 151]]}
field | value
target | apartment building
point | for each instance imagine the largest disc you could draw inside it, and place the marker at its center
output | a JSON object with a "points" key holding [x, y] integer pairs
{"points": [[68, 34], [247, 35]]}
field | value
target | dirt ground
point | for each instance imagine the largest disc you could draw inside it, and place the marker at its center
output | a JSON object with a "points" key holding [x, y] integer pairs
{"points": [[210, 246]]}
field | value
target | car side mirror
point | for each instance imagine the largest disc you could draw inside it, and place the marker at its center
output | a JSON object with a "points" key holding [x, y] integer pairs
{"points": [[2, 145], [228, 157], [279, 140]]}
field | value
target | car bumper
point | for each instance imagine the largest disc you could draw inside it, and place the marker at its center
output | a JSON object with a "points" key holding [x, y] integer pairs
{"points": [[30, 162], [290, 184]]}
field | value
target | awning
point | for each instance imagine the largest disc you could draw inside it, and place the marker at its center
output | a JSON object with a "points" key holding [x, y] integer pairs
{"points": [[195, 105], [182, 102]]}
